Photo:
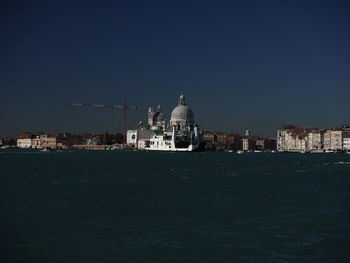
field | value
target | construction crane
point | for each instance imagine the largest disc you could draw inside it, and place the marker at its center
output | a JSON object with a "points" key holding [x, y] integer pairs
{"points": [[125, 107]]}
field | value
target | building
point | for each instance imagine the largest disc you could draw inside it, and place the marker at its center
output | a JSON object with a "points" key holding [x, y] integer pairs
{"points": [[24, 143], [156, 118], [24, 140], [248, 144], [315, 140], [215, 141], [333, 139], [36, 142], [292, 138], [48, 142], [181, 133], [219, 141], [337, 140], [132, 138], [233, 142], [261, 144], [346, 142]]}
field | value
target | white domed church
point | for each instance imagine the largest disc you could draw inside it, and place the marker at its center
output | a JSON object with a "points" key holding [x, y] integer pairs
{"points": [[179, 134]]}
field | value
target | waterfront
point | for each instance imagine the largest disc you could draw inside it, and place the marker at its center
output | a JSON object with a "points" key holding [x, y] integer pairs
{"points": [[111, 206]]}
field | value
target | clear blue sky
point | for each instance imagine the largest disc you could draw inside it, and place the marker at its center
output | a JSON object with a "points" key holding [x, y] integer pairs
{"points": [[241, 64]]}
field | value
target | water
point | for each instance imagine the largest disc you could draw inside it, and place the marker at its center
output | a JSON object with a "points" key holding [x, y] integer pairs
{"points": [[88, 206]]}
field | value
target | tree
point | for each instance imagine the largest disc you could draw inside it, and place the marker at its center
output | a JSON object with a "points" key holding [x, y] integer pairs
{"points": [[119, 138]]}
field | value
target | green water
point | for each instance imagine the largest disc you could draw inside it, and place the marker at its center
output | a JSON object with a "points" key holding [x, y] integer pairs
{"points": [[91, 206]]}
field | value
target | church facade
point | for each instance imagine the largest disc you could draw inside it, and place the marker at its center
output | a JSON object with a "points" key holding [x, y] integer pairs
{"points": [[181, 133]]}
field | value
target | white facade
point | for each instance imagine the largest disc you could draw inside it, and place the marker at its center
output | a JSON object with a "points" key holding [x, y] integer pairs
{"points": [[36, 142], [281, 140], [315, 141], [336, 140], [24, 143], [131, 137], [327, 140], [346, 144], [48, 142], [333, 140], [291, 142], [293, 138]]}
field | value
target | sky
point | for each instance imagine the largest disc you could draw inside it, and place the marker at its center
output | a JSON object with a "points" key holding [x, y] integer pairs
{"points": [[241, 64]]}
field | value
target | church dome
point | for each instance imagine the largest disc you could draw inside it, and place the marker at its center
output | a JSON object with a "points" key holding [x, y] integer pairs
{"points": [[182, 113]]}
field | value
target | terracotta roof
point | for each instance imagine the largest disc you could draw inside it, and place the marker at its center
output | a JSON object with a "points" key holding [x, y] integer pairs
{"points": [[290, 127]]}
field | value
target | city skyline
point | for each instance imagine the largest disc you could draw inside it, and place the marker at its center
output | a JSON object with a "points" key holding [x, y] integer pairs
{"points": [[240, 65]]}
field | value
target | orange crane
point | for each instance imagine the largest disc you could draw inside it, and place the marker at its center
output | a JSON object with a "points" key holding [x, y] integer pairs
{"points": [[125, 107]]}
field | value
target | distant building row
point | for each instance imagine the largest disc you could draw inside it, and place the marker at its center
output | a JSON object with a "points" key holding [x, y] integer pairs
{"points": [[291, 138], [41, 140], [219, 141]]}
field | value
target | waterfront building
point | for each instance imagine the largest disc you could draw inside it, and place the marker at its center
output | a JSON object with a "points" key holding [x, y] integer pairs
{"points": [[36, 142], [284, 137], [298, 139], [248, 144], [132, 138], [24, 143], [327, 140], [215, 141], [24, 140], [261, 144], [333, 139], [219, 141], [292, 138], [233, 142], [87, 139], [315, 140], [346, 142], [337, 139], [48, 142]]}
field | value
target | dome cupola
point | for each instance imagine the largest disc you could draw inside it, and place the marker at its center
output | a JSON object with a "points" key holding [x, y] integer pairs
{"points": [[182, 115]]}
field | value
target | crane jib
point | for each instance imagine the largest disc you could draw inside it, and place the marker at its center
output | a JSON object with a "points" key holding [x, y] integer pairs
{"points": [[125, 108]]}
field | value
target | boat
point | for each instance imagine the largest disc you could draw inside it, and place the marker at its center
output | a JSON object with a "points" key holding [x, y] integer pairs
{"points": [[175, 141], [239, 152], [317, 151], [47, 149], [117, 147]]}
